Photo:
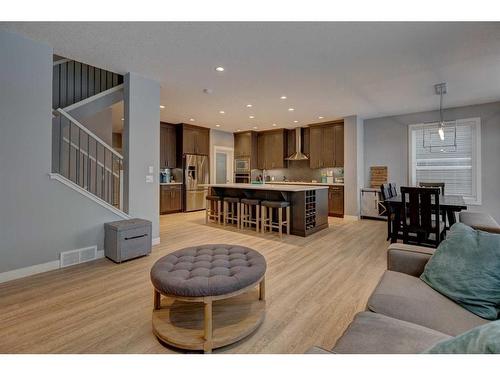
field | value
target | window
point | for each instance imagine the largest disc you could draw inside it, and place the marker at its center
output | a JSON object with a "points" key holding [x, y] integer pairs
{"points": [[456, 160]]}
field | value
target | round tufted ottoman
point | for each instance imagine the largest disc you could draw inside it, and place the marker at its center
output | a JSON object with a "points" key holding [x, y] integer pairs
{"points": [[210, 295]]}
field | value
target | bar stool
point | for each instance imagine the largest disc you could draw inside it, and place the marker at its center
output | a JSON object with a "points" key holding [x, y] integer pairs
{"points": [[214, 209], [247, 217], [267, 216], [231, 211]]}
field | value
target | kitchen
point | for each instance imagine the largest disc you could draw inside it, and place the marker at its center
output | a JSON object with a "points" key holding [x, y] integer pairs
{"points": [[311, 155]]}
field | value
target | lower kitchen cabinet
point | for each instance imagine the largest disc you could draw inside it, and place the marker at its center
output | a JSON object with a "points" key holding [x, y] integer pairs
{"points": [[170, 199], [336, 201]]}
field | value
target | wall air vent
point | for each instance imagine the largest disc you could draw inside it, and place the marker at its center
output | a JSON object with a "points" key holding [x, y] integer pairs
{"points": [[72, 257]]}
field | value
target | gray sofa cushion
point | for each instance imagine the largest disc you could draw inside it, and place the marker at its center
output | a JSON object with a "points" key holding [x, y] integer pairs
{"points": [[372, 333], [408, 298], [207, 270]]}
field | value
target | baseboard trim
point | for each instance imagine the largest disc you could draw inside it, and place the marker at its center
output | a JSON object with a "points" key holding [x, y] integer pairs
{"points": [[37, 268], [155, 241]]}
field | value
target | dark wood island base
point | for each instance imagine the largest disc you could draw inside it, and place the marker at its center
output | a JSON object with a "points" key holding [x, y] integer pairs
{"points": [[309, 204]]}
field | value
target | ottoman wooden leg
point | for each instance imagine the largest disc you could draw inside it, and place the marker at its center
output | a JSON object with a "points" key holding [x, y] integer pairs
{"points": [[156, 299], [207, 346], [262, 290]]}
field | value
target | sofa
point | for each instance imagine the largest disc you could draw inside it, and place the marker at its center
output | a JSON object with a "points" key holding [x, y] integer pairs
{"points": [[479, 221], [404, 315]]}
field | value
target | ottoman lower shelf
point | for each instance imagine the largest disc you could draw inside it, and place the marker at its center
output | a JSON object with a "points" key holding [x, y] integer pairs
{"points": [[181, 323]]}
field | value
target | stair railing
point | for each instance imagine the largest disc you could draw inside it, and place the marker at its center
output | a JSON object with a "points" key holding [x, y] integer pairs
{"points": [[86, 160]]}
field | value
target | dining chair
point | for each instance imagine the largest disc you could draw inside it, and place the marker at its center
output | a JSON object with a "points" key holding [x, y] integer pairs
{"points": [[386, 193], [419, 224], [394, 189], [439, 185]]}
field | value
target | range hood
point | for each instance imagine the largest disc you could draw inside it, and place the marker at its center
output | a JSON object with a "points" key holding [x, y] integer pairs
{"points": [[298, 155]]}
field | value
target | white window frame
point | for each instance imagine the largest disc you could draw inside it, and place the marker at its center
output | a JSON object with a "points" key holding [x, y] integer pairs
{"points": [[476, 162]]}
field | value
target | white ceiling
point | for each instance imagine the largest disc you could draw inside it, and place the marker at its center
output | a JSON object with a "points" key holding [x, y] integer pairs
{"points": [[328, 69]]}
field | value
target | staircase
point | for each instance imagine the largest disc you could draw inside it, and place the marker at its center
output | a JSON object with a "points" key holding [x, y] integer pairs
{"points": [[81, 159]]}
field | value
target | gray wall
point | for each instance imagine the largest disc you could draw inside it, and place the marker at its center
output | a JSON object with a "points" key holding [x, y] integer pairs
{"points": [[39, 217], [219, 138], [386, 143], [101, 124], [353, 157], [141, 146]]}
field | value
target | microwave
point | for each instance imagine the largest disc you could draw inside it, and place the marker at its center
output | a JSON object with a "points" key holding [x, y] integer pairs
{"points": [[242, 165]]}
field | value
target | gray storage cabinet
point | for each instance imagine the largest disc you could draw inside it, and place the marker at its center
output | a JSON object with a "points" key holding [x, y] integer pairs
{"points": [[127, 239]]}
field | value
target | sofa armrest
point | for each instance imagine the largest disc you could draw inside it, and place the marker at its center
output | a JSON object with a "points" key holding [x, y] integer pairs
{"points": [[318, 350], [408, 259]]}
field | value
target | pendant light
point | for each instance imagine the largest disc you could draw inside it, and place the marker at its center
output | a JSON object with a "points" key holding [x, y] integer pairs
{"points": [[440, 90]]}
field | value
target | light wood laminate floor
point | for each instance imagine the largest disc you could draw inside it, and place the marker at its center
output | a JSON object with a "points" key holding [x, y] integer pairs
{"points": [[314, 287]]}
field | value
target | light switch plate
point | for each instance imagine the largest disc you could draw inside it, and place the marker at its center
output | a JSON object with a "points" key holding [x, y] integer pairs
{"points": [[151, 169], [149, 178]]}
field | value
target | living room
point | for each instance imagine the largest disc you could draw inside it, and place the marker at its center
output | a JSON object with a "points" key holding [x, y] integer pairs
{"points": [[316, 187]]}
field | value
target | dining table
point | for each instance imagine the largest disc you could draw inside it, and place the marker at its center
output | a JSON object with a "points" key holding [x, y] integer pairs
{"points": [[450, 204]]}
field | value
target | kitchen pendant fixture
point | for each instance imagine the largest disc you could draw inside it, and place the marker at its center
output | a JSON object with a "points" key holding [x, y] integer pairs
{"points": [[440, 89]]}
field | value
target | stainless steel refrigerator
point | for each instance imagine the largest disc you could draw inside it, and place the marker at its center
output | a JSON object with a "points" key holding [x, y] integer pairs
{"points": [[196, 179]]}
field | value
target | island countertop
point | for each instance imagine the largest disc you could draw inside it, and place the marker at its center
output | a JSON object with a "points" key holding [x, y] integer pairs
{"points": [[270, 187]]}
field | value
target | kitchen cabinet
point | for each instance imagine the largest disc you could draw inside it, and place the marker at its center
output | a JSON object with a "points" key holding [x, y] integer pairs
{"points": [[170, 199], [336, 201], [168, 145], [245, 147], [195, 140], [272, 148], [326, 145]]}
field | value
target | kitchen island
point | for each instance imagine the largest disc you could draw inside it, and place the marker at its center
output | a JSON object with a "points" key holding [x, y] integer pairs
{"points": [[308, 203]]}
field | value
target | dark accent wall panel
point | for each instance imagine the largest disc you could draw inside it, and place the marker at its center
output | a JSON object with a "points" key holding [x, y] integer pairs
{"points": [[91, 80], [85, 92], [103, 80], [70, 93], [78, 82], [55, 86], [63, 85]]}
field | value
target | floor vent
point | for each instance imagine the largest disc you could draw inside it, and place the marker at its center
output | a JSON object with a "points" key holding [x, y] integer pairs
{"points": [[72, 257]]}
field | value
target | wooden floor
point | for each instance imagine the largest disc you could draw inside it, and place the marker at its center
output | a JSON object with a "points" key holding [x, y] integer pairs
{"points": [[314, 287]]}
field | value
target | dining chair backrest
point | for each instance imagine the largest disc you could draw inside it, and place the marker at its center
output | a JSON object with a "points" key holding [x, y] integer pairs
{"points": [[394, 189], [418, 205], [439, 185], [385, 190]]}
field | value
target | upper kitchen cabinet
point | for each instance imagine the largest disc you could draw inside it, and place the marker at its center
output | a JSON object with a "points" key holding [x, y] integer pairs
{"points": [[245, 147], [168, 145], [195, 140], [326, 145], [272, 149]]}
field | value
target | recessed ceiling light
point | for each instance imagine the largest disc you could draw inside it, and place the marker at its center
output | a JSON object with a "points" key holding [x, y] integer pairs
{"points": [[320, 117], [295, 121], [162, 107], [217, 125], [249, 106], [238, 130], [191, 119], [283, 97], [274, 124], [123, 119], [251, 116], [222, 112], [255, 127], [219, 69], [291, 109]]}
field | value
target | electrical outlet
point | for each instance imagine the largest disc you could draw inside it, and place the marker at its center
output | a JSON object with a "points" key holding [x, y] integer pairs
{"points": [[149, 178]]}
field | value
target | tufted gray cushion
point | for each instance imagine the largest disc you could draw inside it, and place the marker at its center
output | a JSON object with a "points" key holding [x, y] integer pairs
{"points": [[207, 270]]}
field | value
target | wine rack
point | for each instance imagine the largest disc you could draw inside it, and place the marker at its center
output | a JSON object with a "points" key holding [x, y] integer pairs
{"points": [[310, 210]]}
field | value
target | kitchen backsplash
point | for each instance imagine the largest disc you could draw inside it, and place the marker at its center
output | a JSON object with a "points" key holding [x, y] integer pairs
{"points": [[298, 170]]}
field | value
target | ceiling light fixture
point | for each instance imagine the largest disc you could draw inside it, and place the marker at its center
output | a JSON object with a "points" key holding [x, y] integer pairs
{"points": [[219, 69], [255, 127], [440, 89], [249, 106], [191, 119], [217, 125], [320, 117], [162, 107], [222, 112], [295, 121], [238, 130], [274, 124], [283, 97], [291, 109], [251, 116], [123, 119]]}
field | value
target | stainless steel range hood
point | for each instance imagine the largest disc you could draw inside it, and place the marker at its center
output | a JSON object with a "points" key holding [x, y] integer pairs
{"points": [[298, 155]]}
